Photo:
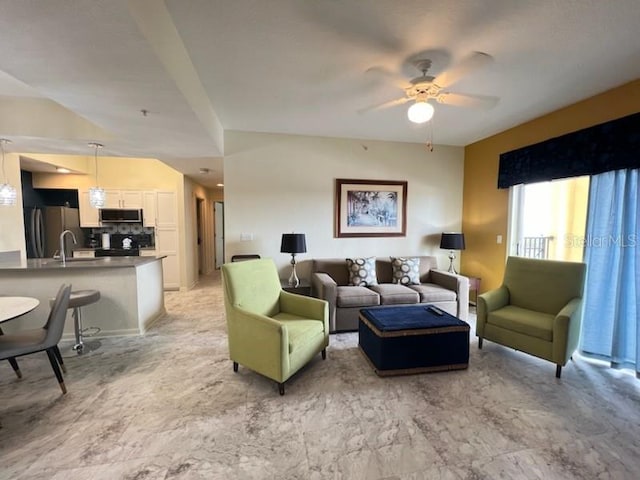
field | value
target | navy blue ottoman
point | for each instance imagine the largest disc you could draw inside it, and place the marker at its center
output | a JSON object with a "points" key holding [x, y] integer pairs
{"points": [[405, 340]]}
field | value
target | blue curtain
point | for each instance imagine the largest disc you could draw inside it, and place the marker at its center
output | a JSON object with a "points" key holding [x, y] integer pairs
{"points": [[611, 319]]}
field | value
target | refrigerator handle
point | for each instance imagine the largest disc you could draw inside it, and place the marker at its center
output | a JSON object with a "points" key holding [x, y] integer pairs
{"points": [[40, 234], [32, 233]]}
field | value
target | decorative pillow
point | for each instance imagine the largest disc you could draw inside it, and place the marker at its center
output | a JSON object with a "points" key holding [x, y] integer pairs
{"points": [[406, 271], [362, 271]]}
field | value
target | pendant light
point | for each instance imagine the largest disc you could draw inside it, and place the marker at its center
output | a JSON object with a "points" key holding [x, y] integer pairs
{"points": [[8, 193], [96, 194]]}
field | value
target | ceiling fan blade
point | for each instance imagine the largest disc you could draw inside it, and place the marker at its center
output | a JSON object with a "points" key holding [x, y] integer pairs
{"points": [[473, 62], [467, 100], [390, 103], [386, 74]]}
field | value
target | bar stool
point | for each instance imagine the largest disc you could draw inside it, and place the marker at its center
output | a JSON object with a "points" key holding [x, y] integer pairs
{"points": [[79, 299]]}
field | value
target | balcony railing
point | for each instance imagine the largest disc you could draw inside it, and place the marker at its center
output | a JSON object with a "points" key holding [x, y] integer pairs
{"points": [[536, 247]]}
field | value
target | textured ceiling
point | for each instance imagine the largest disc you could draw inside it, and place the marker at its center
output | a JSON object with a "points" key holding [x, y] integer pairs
{"points": [[290, 66]]}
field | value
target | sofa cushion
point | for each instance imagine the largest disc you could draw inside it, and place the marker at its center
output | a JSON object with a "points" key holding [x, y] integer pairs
{"points": [[430, 292], [521, 320], [393, 294], [356, 297], [362, 271], [406, 271]]}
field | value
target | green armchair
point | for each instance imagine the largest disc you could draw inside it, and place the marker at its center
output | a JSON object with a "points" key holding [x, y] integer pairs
{"points": [[536, 310], [270, 331]]}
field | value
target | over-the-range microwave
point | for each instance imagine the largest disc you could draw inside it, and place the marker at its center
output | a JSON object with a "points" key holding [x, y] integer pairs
{"points": [[120, 215]]}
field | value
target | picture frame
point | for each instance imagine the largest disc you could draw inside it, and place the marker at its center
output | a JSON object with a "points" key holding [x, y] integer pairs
{"points": [[370, 208]]}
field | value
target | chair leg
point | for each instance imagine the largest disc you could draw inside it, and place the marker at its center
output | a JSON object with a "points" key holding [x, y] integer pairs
{"points": [[480, 343], [558, 370], [56, 350], [235, 366], [324, 354], [16, 368], [56, 369], [281, 388]]}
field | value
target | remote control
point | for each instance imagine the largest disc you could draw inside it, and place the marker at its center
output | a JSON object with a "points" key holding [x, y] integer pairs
{"points": [[435, 310]]}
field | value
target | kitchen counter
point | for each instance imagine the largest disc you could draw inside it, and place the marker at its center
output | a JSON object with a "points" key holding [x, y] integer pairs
{"points": [[131, 291], [79, 263]]}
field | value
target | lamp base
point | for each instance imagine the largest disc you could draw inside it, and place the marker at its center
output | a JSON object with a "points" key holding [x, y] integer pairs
{"points": [[294, 281], [452, 257]]}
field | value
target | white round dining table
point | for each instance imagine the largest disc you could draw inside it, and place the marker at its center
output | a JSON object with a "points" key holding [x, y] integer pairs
{"points": [[13, 307]]}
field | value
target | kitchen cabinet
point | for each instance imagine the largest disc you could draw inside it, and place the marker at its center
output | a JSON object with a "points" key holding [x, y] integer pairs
{"points": [[149, 208], [123, 199], [89, 216], [167, 238]]}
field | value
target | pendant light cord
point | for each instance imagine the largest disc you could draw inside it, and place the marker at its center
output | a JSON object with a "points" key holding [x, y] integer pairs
{"points": [[96, 146]]}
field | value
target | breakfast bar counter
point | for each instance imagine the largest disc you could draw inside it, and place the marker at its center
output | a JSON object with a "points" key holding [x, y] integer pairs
{"points": [[131, 291]]}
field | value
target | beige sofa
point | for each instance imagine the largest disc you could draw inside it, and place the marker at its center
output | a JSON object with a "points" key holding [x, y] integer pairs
{"points": [[330, 282]]}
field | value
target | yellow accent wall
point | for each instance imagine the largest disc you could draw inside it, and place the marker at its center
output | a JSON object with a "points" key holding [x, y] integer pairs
{"points": [[485, 208], [116, 173]]}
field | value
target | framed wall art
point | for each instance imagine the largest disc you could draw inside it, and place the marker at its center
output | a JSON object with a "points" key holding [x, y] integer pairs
{"points": [[370, 208]]}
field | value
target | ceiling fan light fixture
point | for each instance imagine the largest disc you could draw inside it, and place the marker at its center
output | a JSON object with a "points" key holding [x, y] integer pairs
{"points": [[420, 112]]}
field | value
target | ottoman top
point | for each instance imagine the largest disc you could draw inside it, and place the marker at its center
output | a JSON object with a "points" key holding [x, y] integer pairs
{"points": [[389, 319]]}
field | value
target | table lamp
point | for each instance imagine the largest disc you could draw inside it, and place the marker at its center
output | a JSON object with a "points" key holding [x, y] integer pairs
{"points": [[452, 241], [293, 243]]}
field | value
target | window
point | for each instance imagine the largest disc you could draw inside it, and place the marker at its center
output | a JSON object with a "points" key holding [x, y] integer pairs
{"points": [[547, 220]]}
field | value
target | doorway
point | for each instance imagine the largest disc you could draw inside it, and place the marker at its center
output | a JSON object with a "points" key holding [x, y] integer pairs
{"points": [[218, 232], [199, 234]]}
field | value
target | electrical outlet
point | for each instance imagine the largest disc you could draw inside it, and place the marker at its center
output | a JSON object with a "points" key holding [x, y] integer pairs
{"points": [[499, 239], [246, 237]]}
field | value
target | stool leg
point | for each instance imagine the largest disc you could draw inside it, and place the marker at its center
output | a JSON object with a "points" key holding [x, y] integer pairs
{"points": [[77, 325]]}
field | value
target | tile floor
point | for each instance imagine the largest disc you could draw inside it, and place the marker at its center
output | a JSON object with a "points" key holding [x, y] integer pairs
{"points": [[168, 406]]}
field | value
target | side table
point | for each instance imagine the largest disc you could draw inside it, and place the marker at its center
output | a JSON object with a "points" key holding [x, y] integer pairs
{"points": [[474, 286], [304, 288]]}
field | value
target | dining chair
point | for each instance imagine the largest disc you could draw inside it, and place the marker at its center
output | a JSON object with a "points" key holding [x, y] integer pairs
{"points": [[25, 342]]}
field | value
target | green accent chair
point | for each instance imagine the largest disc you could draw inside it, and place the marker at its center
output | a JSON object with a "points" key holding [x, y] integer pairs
{"points": [[272, 332], [537, 309]]}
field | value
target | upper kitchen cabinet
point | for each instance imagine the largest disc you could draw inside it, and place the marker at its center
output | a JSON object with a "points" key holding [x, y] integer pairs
{"points": [[149, 209], [89, 215], [123, 199]]}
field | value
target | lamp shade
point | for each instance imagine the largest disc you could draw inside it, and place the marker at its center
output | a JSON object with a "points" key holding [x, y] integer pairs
{"points": [[293, 243], [452, 241]]}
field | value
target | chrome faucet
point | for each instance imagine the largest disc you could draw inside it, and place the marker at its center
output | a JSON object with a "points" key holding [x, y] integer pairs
{"points": [[63, 254]]}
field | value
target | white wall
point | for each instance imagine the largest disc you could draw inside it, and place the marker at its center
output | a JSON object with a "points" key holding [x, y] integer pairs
{"points": [[285, 183], [11, 218]]}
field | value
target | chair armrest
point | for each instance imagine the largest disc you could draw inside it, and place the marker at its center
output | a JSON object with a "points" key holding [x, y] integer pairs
{"points": [[307, 307], [566, 331], [488, 302], [326, 288], [456, 283], [249, 333]]}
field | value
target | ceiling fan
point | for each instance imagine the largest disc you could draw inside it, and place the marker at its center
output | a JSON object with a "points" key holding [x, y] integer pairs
{"points": [[424, 88]]}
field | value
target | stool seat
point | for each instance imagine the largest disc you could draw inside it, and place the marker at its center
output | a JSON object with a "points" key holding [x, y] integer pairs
{"points": [[83, 297], [78, 299]]}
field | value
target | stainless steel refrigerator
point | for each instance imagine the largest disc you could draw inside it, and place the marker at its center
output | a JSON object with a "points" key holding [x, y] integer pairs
{"points": [[44, 226]]}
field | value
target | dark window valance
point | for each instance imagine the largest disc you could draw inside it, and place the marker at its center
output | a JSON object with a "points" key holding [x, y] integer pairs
{"points": [[609, 146]]}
